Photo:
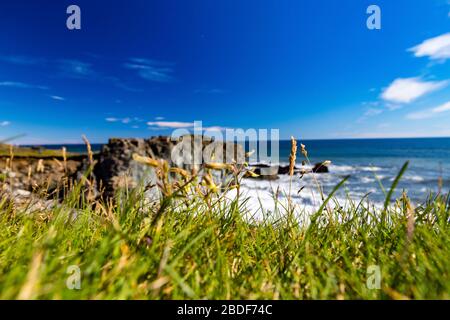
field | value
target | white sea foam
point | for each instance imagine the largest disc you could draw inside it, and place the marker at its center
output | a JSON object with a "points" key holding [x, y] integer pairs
{"points": [[362, 182], [341, 168], [412, 178], [371, 169], [260, 195], [367, 180]]}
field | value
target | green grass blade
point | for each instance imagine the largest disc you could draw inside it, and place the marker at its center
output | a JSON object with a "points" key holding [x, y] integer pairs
{"points": [[393, 186]]}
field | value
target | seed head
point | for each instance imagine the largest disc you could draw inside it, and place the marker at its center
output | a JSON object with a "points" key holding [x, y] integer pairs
{"points": [[293, 156]]}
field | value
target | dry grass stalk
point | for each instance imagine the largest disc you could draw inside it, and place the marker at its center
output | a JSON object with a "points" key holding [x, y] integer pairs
{"points": [[251, 174], [146, 160], [89, 150], [303, 150], [29, 174], [249, 154], [293, 156], [209, 182], [64, 155], [181, 172], [28, 290], [395, 295], [58, 163], [410, 219], [218, 166], [40, 166], [11, 156]]}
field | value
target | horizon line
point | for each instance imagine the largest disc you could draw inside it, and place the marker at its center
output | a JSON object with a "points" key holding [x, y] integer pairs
{"points": [[298, 139]]}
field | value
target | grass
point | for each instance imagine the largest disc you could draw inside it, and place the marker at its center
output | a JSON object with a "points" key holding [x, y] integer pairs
{"points": [[27, 152], [198, 243]]}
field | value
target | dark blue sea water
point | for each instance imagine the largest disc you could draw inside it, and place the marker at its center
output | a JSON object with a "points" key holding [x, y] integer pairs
{"points": [[368, 162]]}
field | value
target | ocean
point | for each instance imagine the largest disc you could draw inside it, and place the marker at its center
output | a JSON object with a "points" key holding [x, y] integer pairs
{"points": [[370, 163]]}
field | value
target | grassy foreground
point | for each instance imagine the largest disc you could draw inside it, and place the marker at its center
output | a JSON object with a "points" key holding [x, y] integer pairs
{"points": [[197, 244]]}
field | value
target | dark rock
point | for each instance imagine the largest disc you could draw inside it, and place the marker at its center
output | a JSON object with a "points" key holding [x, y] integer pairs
{"points": [[320, 168], [265, 171], [115, 167], [283, 170], [272, 171]]}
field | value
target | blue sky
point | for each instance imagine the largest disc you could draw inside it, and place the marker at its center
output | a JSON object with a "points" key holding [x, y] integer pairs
{"points": [[140, 68]]}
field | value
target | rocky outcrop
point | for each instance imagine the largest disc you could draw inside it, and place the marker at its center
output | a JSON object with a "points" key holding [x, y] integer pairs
{"points": [[266, 172], [116, 168], [285, 170], [34, 174], [29, 202], [113, 167], [320, 168]]}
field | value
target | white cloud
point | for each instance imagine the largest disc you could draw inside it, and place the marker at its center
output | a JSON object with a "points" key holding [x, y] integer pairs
{"points": [[76, 69], [159, 118], [429, 113], [22, 60], [437, 48], [442, 108], [406, 90], [57, 98], [125, 120], [419, 115], [151, 70], [154, 125], [393, 106], [170, 124], [4, 123], [21, 85], [372, 112], [120, 84], [210, 91], [371, 103]]}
